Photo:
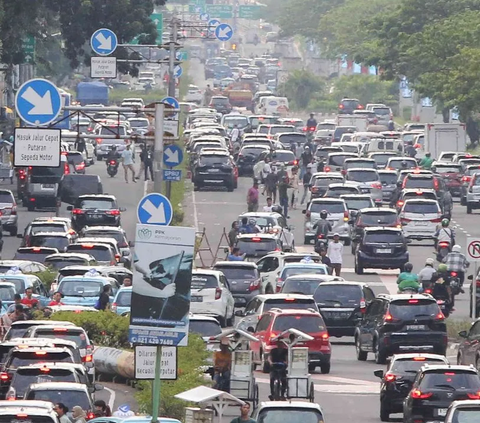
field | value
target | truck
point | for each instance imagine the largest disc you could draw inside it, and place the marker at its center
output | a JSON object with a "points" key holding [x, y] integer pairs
{"points": [[359, 121], [92, 93], [443, 137]]}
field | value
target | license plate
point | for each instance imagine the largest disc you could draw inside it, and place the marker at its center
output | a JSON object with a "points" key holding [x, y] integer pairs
{"points": [[47, 186], [384, 251], [415, 327], [441, 412], [338, 316], [365, 190], [420, 223], [196, 299], [214, 170], [95, 216]]}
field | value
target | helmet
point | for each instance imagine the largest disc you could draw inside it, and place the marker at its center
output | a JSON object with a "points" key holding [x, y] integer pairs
{"points": [[277, 209], [442, 268], [408, 267], [307, 147], [445, 222], [114, 147], [457, 248], [429, 262], [323, 214], [428, 154]]}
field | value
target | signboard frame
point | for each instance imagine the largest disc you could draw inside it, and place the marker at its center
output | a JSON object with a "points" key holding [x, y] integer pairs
{"points": [[20, 143], [152, 349], [99, 61]]}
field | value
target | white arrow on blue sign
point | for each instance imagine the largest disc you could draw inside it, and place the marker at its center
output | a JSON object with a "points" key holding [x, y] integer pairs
{"points": [[204, 16], [38, 102], [178, 71], [155, 209], [172, 101], [213, 23], [223, 32], [172, 155], [104, 41]]}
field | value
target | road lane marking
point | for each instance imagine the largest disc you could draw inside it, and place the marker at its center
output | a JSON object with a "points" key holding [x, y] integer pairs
{"points": [[195, 216], [111, 401], [145, 188]]}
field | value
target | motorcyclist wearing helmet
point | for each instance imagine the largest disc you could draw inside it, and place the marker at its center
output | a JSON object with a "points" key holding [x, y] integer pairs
{"points": [[447, 204], [408, 280], [396, 195], [113, 154], [311, 122], [255, 229], [426, 274], [445, 233], [441, 289], [426, 162], [457, 262], [322, 226]]}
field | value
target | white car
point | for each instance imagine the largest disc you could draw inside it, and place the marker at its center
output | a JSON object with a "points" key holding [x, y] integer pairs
{"points": [[289, 411], [368, 180], [210, 295], [194, 94], [420, 218], [304, 267]]}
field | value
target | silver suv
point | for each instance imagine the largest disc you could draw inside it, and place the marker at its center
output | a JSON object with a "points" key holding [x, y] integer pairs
{"points": [[8, 208]]}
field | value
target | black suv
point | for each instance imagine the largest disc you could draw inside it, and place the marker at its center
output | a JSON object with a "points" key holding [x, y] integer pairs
{"points": [[247, 157], [95, 210], [213, 168], [381, 248], [221, 104], [398, 379], [401, 323], [342, 305], [348, 105], [435, 388]]}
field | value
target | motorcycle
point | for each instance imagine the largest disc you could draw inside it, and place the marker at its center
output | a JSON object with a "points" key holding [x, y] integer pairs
{"points": [[309, 132], [112, 167], [444, 306], [320, 243], [454, 281], [443, 248]]}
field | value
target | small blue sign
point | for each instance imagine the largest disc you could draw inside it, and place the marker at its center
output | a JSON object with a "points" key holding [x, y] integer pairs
{"points": [[172, 155], [181, 55], [177, 71], [38, 102], [104, 41], [204, 16], [172, 101], [172, 175], [212, 24], [224, 32], [155, 209]]}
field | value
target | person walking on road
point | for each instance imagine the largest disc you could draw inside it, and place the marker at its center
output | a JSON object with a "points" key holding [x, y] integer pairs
{"points": [[252, 197], [78, 415], [208, 95], [232, 234], [127, 158], [103, 302], [148, 164], [234, 135], [307, 158], [142, 160], [295, 183], [335, 253], [62, 411], [283, 185], [268, 207], [307, 178], [244, 415]]}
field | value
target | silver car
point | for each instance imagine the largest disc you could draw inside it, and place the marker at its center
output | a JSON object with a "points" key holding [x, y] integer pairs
{"points": [[8, 208], [368, 181], [388, 179]]}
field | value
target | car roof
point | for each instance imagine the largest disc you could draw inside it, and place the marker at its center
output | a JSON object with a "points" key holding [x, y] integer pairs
{"points": [[343, 153], [350, 283], [289, 254], [259, 235], [53, 327], [260, 214], [415, 190], [382, 228], [413, 355], [421, 200], [280, 296], [327, 199], [53, 386], [343, 185], [24, 405], [212, 272], [289, 404], [201, 317], [356, 197], [293, 311], [316, 276], [327, 175], [299, 264], [419, 175], [97, 196], [42, 322], [70, 255], [247, 264], [54, 365], [435, 367], [52, 234], [361, 169], [378, 210], [104, 228], [362, 159]]}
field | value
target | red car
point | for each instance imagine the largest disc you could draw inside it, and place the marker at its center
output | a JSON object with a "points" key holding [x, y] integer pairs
{"points": [[451, 174], [277, 321]]}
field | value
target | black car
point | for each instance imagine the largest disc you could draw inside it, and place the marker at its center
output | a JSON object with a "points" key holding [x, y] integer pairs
{"points": [[221, 104], [435, 388], [95, 210], [348, 105], [381, 248], [37, 254], [342, 305], [214, 168], [397, 380], [255, 246], [248, 156], [469, 348], [401, 323]]}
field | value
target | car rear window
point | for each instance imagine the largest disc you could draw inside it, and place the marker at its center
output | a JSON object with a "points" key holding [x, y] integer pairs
{"points": [[6, 198], [204, 328], [338, 191], [448, 169], [466, 415], [117, 235], [240, 273], [338, 295], [427, 183], [99, 252], [58, 242], [48, 227], [250, 246], [381, 159], [68, 397], [60, 263], [338, 160], [80, 288], [420, 208], [362, 176], [302, 270], [38, 257], [382, 111], [213, 160], [13, 418], [304, 286], [450, 378], [330, 207], [75, 158], [325, 182], [290, 414], [24, 377], [397, 164], [425, 195], [362, 203], [413, 309], [412, 365], [204, 281], [305, 323], [104, 204], [388, 178], [74, 335], [26, 358], [251, 151], [293, 138], [383, 237], [124, 299], [350, 103], [284, 156], [378, 218], [359, 163], [112, 130]]}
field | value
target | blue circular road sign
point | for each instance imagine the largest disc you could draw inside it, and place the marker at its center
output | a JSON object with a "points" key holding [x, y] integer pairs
{"points": [[172, 101], [155, 209], [223, 32], [104, 41], [178, 71], [172, 155]]}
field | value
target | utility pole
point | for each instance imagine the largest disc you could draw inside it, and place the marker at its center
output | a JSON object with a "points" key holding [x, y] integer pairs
{"points": [[158, 150], [172, 58]]}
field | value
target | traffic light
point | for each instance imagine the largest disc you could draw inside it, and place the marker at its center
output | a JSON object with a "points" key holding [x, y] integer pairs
{"points": [[234, 46]]}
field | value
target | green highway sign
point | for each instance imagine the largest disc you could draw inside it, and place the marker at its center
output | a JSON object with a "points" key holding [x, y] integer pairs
{"points": [[193, 8], [249, 12], [157, 19], [222, 11], [28, 46]]}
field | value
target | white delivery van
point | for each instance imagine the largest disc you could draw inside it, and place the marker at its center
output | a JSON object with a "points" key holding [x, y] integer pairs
{"points": [[274, 106], [359, 121], [445, 137]]}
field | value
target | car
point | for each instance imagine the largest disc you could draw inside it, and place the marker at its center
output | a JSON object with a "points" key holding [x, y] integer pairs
{"points": [[265, 302], [338, 217], [21, 266], [381, 158], [425, 181], [342, 305], [369, 218], [357, 202], [337, 190], [462, 156], [25, 281], [348, 105], [348, 146], [367, 180], [436, 387], [415, 194], [292, 140], [8, 209], [400, 323], [244, 280], [304, 267], [248, 156], [358, 163], [255, 246], [205, 326], [398, 378], [273, 223], [58, 261], [451, 173], [221, 104], [335, 161], [383, 113], [122, 301], [214, 169], [36, 411], [194, 94], [322, 152], [305, 284], [321, 180], [402, 174], [111, 242], [420, 218], [18, 328], [104, 145], [401, 163], [95, 210], [466, 178], [380, 248], [103, 253], [85, 290], [464, 163], [473, 193], [76, 161], [388, 179], [38, 254], [35, 227], [57, 240], [276, 321], [139, 125]]}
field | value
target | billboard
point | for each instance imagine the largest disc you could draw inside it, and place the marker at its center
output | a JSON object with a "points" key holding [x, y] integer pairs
{"points": [[161, 285]]}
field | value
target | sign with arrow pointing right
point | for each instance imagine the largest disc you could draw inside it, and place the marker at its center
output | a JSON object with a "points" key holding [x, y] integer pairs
{"points": [[155, 209], [104, 41], [172, 155]]}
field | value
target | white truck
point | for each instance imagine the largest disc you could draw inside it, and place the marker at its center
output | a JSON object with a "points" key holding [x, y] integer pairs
{"points": [[359, 121], [443, 137]]}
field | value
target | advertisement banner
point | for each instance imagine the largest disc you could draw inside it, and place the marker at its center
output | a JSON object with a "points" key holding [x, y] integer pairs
{"points": [[161, 285]]}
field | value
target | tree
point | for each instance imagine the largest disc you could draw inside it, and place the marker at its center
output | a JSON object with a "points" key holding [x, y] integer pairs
{"points": [[301, 86]]}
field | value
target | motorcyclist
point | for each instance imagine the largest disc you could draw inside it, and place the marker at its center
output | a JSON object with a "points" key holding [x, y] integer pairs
{"points": [[457, 262], [255, 229], [277, 359], [410, 151], [426, 162], [311, 122], [408, 280], [222, 364], [426, 274], [113, 154], [322, 226], [447, 204], [396, 195], [441, 289], [445, 233]]}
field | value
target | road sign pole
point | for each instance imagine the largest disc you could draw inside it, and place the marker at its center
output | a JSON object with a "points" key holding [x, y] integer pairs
{"points": [[158, 150], [156, 386], [474, 292], [171, 66]]}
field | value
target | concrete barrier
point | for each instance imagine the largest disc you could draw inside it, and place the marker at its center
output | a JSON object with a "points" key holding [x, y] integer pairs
{"points": [[114, 362]]}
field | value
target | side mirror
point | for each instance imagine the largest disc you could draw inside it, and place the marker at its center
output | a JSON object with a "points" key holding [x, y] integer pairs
{"points": [[378, 373], [20, 236], [239, 313], [69, 208], [463, 334], [125, 253], [250, 329], [122, 209]]}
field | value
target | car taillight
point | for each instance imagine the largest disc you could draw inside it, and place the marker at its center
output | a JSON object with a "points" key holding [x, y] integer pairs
{"points": [[88, 358], [315, 189], [405, 221], [341, 106], [475, 395], [435, 183], [327, 169], [80, 166], [66, 169], [343, 172], [99, 140], [118, 257], [254, 285], [325, 336], [90, 416], [437, 220], [389, 318], [439, 316], [113, 212], [466, 179], [14, 210], [428, 291], [78, 211], [417, 394], [400, 203], [377, 185], [312, 128], [345, 216], [4, 377], [389, 377], [218, 293], [114, 307], [360, 107]]}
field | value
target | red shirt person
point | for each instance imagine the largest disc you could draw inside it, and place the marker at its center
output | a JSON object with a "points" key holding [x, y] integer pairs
{"points": [[57, 299], [28, 298]]}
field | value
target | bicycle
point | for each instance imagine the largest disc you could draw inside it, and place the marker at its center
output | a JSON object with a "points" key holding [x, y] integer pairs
{"points": [[280, 373]]}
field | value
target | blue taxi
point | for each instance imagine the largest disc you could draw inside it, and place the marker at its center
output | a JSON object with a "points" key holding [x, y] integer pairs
{"points": [[122, 301]]}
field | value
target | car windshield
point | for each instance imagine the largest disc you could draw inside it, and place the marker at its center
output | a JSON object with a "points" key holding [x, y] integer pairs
{"points": [[337, 160], [448, 169], [289, 304], [74, 335], [139, 123], [27, 358], [360, 163], [124, 299], [304, 286], [427, 183], [7, 293], [384, 237], [69, 397], [38, 257], [284, 156], [378, 218], [420, 208], [357, 204], [112, 130], [472, 170], [204, 281], [338, 295], [362, 176], [466, 415], [248, 246], [60, 263], [338, 191], [450, 378], [325, 182], [80, 288], [117, 235], [305, 323], [99, 252], [58, 242], [330, 207], [204, 328], [50, 172], [238, 273], [413, 309], [96, 204], [388, 178], [213, 160], [48, 227], [24, 377], [302, 270], [240, 121], [289, 415], [412, 365]]}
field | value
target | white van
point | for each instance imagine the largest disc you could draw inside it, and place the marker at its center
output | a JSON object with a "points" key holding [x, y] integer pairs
{"points": [[145, 74], [384, 145], [273, 106]]}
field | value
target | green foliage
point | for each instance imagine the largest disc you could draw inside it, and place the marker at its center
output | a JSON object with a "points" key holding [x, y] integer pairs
{"points": [[116, 95], [190, 360], [300, 88], [103, 327], [47, 277]]}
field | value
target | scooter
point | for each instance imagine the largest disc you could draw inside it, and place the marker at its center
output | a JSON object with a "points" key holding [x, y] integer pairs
{"points": [[443, 248], [320, 243], [112, 167], [454, 282]]}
